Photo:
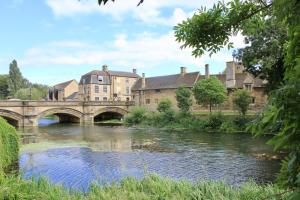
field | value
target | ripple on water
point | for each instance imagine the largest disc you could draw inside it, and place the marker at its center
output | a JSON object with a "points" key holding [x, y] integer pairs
{"points": [[112, 154]]}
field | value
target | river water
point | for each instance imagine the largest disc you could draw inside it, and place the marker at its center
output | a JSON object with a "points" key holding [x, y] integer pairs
{"points": [[75, 156]]}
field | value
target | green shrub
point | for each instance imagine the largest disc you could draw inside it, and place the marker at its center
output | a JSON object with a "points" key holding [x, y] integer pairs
{"points": [[9, 146], [164, 105], [228, 127], [214, 121], [136, 116]]}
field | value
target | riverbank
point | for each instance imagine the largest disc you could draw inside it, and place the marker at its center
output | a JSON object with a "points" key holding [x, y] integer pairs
{"points": [[175, 121], [150, 187]]}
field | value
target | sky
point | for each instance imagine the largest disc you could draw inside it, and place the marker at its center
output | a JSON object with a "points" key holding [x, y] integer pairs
{"points": [[58, 40]]}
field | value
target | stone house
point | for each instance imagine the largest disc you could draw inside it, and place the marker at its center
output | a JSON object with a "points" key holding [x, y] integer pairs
{"points": [[66, 91], [107, 85], [149, 91]]}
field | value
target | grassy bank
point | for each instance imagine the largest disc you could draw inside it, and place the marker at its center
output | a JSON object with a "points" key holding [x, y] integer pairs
{"points": [[216, 122], [9, 146], [151, 187]]}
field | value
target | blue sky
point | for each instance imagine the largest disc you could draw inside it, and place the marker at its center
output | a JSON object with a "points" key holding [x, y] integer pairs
{"points": [[58, 40]]}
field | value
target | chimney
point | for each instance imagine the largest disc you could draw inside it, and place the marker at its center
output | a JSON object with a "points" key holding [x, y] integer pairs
{"points": [[230, 74], [134, 71], [206, 70], [182, 70], [105, 68], [143, 80]]}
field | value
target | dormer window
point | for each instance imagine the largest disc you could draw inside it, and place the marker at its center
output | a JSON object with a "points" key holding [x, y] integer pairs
{"points": [[248, 87], [100, 78], [83, 81]]}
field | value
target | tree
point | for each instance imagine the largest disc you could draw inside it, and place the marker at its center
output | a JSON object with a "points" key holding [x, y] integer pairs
{"points": [[15, 81], [209, 91], [34, 93], [184, 99], [242, 100], [164, 105], [4, 92]]}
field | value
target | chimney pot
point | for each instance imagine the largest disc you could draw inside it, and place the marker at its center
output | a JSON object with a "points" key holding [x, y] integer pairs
{"points": [[134, 71], [105, 68], [143, 80], [182, 70], [207, 71]]}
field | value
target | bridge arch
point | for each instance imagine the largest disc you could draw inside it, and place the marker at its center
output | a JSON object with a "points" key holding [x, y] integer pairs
{"points": [[64, 114], [11, 117], [108, 113]]}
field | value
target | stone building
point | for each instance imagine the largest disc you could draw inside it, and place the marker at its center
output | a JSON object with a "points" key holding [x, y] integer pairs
{"points": [[149, 91], [107, 85], [66, 91]]}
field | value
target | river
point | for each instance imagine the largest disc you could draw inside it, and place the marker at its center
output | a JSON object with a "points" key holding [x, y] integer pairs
{"points": [[75, 156]]}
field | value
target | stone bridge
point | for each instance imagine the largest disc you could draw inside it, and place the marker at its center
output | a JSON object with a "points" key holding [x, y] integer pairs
{"points": [[28, 113]]}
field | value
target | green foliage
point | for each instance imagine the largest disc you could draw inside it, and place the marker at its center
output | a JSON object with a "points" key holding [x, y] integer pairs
{"points": [[136, 116], [209, 30], [184, 99], [4, 92], [151, 187], [265, 56], [9, 146], [164, 105], [214, 121], [16, 80], [35, 93], [209, 91], [242, 100]]}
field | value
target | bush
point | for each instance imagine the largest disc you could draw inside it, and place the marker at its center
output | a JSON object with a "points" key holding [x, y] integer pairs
{"points": [[164, 105], [214, 121], [137, 116], [242, 100], [228, 127], [9, 146]]}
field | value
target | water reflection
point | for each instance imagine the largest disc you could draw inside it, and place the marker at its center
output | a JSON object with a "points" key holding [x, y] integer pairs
{"points": [[77, 155]]}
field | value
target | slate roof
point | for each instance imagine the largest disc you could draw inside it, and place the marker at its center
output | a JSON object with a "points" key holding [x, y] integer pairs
{"points": [[63, 85], [92, 77], [72, 97], [240, 78], [123, 74], [167, 82]]}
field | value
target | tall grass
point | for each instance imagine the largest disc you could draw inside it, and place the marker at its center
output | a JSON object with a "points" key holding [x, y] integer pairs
{"points": [[151, 187]]}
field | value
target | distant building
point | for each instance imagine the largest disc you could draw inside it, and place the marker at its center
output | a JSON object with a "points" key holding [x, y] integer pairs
{"points": [[107, 85], [66, 91], [149, 91]]}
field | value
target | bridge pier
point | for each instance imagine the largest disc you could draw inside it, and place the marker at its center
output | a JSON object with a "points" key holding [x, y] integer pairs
{"points": [[29, 121], [88, 119]]}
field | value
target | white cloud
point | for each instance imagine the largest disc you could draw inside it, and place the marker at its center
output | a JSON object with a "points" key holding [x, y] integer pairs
{"points": [[149, 11], [144, 51]]}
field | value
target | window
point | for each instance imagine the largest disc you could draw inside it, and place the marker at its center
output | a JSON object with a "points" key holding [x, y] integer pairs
{"points": [[127, 90], [100, 78], [127, 81], [83, 81], [105, 88], [104, 98], [157, 90], [96, 89], [97, 99], [248, 87], [85, 90], [156, 101], [147, 101], [127, 99], [253, 100]]}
